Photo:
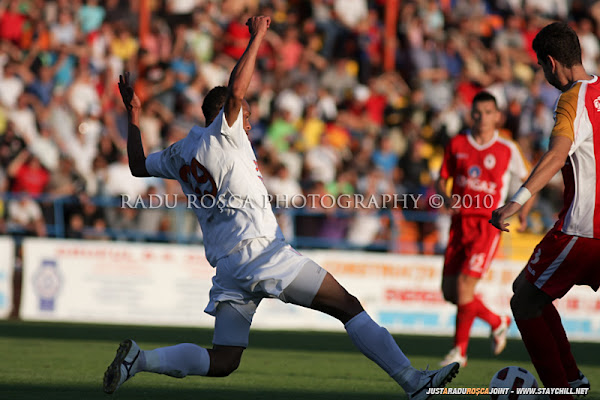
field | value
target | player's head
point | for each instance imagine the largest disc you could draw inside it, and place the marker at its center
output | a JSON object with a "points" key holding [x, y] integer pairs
{"points": [[214, 102], [485, 113], [557, 48]]}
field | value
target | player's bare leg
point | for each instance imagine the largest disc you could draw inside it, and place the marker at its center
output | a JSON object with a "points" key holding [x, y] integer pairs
{"points": [[544, 336], [375, 342], [224, 360]]}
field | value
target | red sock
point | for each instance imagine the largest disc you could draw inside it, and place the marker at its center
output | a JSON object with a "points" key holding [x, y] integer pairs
{"points": [[465, 315], [552, 318], [544, 353], [485, 314]]}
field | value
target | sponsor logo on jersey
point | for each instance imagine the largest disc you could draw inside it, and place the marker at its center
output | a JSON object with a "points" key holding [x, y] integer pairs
{"points": [[476, 184], [597, 104], [461, 155], [474, 171], [489, 161]]}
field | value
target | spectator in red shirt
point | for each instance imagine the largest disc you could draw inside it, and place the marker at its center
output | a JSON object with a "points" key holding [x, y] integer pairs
{"points": [[11, 23], [236, 38], [27, 174]]}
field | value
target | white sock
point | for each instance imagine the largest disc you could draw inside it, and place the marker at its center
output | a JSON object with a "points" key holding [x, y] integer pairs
{"points": [[178, 361], [376, 343]]}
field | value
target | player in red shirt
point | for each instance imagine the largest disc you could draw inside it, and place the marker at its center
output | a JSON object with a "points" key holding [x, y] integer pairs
{"points": [[568, 254], [481, 165]]}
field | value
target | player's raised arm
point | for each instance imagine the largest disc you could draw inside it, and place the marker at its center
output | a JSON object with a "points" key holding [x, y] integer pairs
{"points": [[242, 73], [135, 150]]}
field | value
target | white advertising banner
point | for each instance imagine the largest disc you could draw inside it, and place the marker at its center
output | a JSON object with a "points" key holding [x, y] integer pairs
{"points": [[132, 283], [7, 265], [115, 282]]}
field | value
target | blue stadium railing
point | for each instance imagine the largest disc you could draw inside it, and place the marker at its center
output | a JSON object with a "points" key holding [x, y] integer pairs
{"points": [[56, 208]]}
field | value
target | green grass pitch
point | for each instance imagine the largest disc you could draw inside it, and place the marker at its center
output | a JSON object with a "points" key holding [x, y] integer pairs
{"points": [[48, 361]]}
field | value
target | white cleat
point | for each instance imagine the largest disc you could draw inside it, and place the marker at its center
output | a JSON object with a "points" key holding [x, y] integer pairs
{"points": [[581, 382], [499, 335], [121, 368], [433, 379], [454, 356]]}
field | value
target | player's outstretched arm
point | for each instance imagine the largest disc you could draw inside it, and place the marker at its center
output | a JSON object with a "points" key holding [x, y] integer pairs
{"points": [[243, 70], [135, 149], [548, 166]]}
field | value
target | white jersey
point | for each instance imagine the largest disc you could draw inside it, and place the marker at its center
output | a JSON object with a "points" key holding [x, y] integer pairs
{"points": [[218, 171]]}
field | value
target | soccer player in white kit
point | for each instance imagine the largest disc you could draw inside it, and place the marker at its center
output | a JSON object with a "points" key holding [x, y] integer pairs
{"points": [[243, 242]]}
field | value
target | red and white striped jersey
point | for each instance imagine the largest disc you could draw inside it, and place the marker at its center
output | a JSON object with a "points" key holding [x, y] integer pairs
{"points": [[481, 173], [577, 116]]}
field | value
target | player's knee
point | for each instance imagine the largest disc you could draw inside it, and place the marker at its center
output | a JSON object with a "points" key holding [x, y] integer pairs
{"points": [[518, 282], [230, 366], [518, 307], [224, 363], [348, 308], [225, 367], [521, 307], [353, 305]]}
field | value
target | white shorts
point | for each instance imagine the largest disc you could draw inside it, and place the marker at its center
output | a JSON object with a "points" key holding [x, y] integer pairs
{"points": [[263, 268]]}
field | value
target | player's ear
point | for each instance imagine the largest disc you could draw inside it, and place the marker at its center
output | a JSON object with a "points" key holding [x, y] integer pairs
{"points": [[498, 116], [553, 63]]}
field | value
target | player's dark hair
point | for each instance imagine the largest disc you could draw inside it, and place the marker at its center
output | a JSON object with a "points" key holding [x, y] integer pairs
{"points": [[560, 41], [214, 102], [484, 96]]}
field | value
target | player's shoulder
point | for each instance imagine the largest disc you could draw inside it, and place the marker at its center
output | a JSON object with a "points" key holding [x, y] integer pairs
{"points": [[186, 143], [570, 97], [509, 147], [505, 139], [460, 139]]}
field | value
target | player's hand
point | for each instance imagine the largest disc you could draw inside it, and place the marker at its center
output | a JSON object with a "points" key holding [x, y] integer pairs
{"points": [[129, 97], [258, 25], [503, 213], [451, 208]]}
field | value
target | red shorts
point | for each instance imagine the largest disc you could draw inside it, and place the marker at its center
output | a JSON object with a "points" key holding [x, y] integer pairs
{"points": [[471, 247], [561, 261]]}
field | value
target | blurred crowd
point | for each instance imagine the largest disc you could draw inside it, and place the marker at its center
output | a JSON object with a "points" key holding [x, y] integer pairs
{"points": [[327, 117]]}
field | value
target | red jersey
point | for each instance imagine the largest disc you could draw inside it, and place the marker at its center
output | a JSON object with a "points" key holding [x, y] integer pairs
{"points": [[482, 173]]}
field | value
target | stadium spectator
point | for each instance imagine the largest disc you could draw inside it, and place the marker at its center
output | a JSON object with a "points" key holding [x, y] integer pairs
{"points": [[27, 174], [25, 216], [64, 179], [12, 21], [65, 31], [10, 145], [90, 16], [119, 180], [45, 148], [567, 255]]}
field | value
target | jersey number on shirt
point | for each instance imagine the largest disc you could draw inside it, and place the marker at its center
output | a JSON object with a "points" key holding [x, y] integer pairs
{"points": [[476, 262], [203, 182]]}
